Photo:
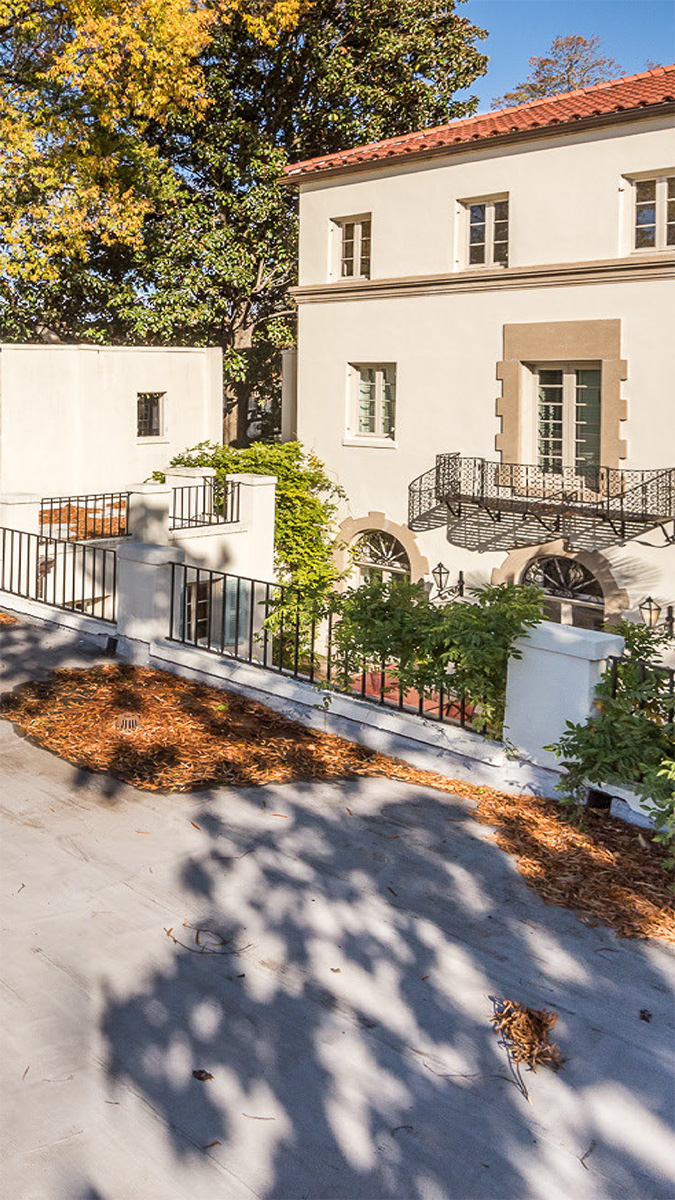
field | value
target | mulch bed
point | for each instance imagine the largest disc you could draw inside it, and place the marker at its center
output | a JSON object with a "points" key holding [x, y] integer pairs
{"points": [[182, 735]]}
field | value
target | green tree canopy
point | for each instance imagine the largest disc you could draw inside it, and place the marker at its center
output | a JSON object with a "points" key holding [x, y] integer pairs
{"points": [[216, 251], [571, 62]]}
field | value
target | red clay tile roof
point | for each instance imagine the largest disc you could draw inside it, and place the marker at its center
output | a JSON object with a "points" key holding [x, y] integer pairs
{"points": [[629, 94]]}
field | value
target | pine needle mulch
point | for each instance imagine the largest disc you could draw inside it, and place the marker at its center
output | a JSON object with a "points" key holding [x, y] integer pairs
{"points": [[191, 736], [526, 1034], [7, 619]]}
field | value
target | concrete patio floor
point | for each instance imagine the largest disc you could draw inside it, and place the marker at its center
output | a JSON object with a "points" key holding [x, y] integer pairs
{"points": [[338, 992]]}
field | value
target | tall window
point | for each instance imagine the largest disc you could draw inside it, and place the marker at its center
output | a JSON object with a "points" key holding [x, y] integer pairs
{"points": [[375, 400], [355, 248], [568, 417], [655, 213], [149, 414], [196, 612], [488, 233]]}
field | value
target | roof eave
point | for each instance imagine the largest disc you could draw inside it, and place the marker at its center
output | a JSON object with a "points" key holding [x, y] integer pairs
{"points": [[559, 129]]}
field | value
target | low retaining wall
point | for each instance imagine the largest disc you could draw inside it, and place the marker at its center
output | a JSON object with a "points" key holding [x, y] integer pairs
{"points": [[446, 749]]}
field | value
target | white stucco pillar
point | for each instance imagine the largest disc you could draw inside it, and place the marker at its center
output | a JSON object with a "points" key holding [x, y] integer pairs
{"points": [[20, 510], [554, 682], [148, 516], [144, 589], [257, 506]]}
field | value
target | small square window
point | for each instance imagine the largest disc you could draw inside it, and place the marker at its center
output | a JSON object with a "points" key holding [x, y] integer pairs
{"points": [[488, 232], [149, 414], [374, 400], [654, 220]]}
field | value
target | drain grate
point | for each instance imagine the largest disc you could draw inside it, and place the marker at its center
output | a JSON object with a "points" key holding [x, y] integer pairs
{"points": [[127, 722]]}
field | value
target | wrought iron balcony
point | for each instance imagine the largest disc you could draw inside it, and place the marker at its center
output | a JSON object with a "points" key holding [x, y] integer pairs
{"points": [[494, 506]]}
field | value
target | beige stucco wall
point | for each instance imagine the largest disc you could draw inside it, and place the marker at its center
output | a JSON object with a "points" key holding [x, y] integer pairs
{"points": [[446, 348], [68, 413], [568, 201]]}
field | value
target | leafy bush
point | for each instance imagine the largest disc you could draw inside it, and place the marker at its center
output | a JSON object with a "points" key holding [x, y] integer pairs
{"points": [[305, 528], [629, 740], [462, 648]]}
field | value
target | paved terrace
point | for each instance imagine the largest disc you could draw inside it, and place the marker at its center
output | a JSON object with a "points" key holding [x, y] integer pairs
{"points": [[340, 1000]]}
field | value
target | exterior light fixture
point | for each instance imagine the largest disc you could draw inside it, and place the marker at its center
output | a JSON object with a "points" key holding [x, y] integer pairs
{"points": [[650, 612], [441, 575]]}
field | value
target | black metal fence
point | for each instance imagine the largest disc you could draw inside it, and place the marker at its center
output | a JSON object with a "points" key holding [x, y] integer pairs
{"points": [[267, 625], [64, 574], [77, 518], [652, 685], [211, 502]]}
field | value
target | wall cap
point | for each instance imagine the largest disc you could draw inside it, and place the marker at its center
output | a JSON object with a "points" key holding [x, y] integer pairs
{"points": [[150, 553], [252, 480], [149, 489], [190, 472], [568, 640], [19, 498]]}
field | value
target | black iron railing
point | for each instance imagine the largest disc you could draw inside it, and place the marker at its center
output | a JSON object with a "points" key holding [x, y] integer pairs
{"points": [[267, 625], [77, 518], [64, 574], [532, 502], [210, 502], [652, 684]]}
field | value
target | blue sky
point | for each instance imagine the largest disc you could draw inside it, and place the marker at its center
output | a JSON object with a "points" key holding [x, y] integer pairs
{"points": [[633, 32]]}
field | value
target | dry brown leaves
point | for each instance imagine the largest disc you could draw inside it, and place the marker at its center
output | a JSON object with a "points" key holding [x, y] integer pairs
{"points": [[7, 619], [525, 1032], [194, 736]]}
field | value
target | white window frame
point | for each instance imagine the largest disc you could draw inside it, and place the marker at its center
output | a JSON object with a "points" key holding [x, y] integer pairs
{"points": [[354, 436], [337, 255], [569, 398], [660, 178], [465, 226], [163, 411]]}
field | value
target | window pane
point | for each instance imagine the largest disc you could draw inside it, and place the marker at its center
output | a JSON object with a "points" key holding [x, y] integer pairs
{"points": [[645, 237], [646, 190], [348, 248], [148, 414], [550, 420], [671, 188], [477, 214], [501, 210], [645, 214], [367, 400], [388, 402], [365, 250], [587, 420]]}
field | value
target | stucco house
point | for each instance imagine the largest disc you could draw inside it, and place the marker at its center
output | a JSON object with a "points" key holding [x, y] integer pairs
{"points": [[79, 418], [486, 346]]}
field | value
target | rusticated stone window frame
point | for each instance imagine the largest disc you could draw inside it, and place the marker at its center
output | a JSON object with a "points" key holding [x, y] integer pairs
{"points": [[616, 599], [556, 342]]}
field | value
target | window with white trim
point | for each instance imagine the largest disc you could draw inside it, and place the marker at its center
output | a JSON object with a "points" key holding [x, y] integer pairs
{"points": [[487, 232], [568, 416], [654, 224], [354, 249], [374, 400]]}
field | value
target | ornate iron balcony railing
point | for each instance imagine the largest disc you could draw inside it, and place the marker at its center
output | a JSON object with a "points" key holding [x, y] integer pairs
{"points": [[498, 505]]}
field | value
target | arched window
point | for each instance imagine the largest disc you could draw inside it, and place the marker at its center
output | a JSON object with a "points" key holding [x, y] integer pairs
{"points": [[572, 594], [380, 555]]}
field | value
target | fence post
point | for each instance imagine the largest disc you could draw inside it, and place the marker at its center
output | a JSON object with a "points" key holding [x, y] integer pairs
{"points": [[257, 500], [144, 590], [148, 513], [20, 510], [553, 682]]}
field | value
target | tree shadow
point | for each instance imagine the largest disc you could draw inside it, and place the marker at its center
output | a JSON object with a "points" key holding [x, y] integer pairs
{"points": [[333, 974]]}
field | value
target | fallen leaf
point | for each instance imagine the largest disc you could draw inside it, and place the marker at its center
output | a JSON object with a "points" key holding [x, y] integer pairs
{"points": [[350, 812], [645, 1015], [198, 827], [202, 1075], [210, 1144], [390, 889], [251, 1117], [336, 970], [424, 977], [141, 830], [25, 1073]]}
